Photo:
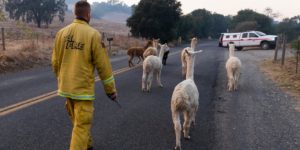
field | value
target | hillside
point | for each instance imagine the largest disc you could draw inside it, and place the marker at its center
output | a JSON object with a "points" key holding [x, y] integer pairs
{"points": [[114, 11], [116, 17]]}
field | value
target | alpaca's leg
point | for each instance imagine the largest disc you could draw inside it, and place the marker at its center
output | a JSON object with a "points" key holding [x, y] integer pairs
{"points": [[194, 111], [187, 124], [237, 76], [149, 80], [177, 128], [139, 57], [144, 81], [230, 79], [230, 83], [158, 78], [130, 64]]}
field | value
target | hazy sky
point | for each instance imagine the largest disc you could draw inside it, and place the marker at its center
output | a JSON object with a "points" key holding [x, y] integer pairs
{"points": [[287, 8]]}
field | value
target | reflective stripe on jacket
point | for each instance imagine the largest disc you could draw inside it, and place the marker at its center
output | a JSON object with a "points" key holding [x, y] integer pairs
{"points": [[77, 52]]}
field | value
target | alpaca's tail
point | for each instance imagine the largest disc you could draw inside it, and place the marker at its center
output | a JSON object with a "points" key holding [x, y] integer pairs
{"points": [[179, 103]]}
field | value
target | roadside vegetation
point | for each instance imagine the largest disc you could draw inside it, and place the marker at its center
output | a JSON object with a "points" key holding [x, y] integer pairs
{"points": [[284, 76]]}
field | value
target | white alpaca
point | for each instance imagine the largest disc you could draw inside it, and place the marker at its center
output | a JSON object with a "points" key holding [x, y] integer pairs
{"points": [[233, 67], [185, 100], [152, 50], [184, 55], [153, 64]]}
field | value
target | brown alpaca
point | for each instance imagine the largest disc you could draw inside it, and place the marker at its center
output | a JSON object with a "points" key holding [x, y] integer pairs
{"points": [[138, 52]]}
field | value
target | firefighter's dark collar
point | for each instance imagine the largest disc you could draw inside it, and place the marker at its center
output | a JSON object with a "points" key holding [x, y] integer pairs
{"points": [[81, 18]]}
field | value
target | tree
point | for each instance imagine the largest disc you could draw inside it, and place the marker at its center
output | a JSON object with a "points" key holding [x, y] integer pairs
{"points": [[270, 13], [184, 27], [220, 24], [264, 23], [155, 19], [100, 9], [289, 26], [2, 15], [37, 11], [245, 26], [202, 23]]}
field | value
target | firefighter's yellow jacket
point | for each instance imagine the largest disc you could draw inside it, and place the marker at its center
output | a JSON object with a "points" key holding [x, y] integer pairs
{"points": [[77, 52]]}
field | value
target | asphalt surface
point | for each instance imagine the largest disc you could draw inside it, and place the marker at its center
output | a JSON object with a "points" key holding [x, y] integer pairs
{"points": [[257, 116]]}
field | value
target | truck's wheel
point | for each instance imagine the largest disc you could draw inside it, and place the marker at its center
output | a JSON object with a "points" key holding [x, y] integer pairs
{"points": [[265, 45], [239, 48]]}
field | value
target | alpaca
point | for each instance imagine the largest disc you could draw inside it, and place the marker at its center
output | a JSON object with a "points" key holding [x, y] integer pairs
{"points": [[152, 50], [137, 51], [184, 55], [153, 64], [233, 67], [185, 100]]}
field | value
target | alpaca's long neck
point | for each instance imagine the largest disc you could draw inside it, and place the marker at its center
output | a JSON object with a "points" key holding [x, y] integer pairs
{"points": [[231, 52], [161, 54], [190, 68], [193, 46]]}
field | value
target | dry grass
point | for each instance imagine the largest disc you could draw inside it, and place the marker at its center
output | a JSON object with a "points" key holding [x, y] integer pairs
{"points": [[28, 46], [25, 54], [284, 76], [34, 47]]}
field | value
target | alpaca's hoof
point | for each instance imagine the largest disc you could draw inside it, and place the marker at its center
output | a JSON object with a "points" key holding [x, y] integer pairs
{"points": [[187, 138], [161, 86], [177, 148], [144, 90]]}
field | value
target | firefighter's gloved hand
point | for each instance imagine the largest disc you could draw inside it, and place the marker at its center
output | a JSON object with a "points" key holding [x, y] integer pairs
{"points": [[112, 96]]}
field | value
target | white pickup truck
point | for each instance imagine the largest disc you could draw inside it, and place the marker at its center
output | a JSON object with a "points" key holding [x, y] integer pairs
{"points": [[248, 39]]}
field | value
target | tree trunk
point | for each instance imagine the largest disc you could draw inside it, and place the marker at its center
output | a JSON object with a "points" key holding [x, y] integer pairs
{"points": [[38, 24]]}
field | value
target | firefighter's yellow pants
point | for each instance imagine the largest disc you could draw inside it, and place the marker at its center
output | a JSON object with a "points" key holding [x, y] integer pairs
{"points": [[81, 114]]}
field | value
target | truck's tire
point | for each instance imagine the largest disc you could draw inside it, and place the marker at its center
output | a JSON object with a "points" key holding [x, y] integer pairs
{"points": [[239, 48], [265, 45]]}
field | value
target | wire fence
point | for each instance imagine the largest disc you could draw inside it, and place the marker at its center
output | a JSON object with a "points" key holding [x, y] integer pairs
{"points": [[12, 36], [15, 36]]}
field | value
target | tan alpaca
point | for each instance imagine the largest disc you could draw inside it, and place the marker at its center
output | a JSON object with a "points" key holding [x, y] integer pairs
{"points": [[233, 68], [184, 55], [152, 50]]}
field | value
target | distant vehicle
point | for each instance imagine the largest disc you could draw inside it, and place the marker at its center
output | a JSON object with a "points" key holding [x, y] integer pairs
{"points": [[248, 39]]}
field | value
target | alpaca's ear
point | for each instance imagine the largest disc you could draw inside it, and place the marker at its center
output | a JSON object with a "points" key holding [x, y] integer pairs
{"points": [[187, 52], [199, 51]]}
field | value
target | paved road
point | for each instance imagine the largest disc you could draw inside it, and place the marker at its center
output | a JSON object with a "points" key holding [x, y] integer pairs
{"points": [[258, 116]]}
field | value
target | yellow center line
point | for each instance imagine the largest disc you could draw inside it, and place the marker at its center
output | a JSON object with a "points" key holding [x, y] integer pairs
{"points": [[29, 102]]}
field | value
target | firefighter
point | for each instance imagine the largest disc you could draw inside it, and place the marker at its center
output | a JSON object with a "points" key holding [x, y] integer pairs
{"points": [[77, 51]]}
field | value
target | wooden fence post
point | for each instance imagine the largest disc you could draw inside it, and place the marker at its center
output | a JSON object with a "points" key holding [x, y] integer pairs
{"points": [[3, 38], [283, 50], [298, 52], [277, 47]]}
